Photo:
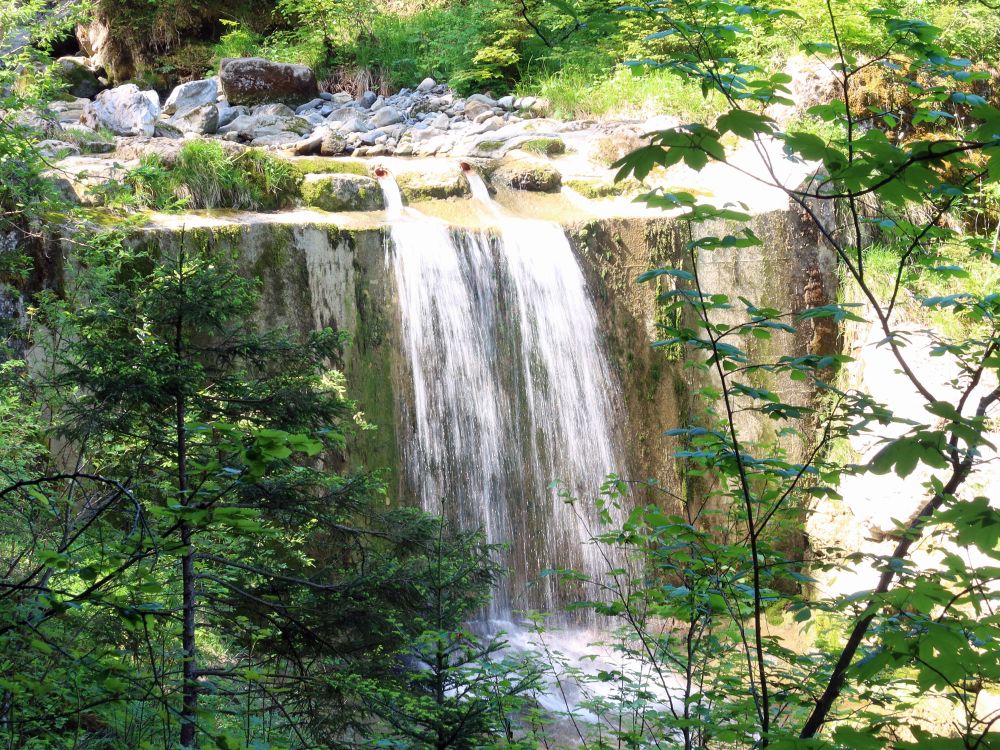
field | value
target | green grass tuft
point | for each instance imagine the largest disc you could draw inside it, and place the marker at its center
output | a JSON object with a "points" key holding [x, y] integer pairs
{"points": [[206, 176], [583, 93]]}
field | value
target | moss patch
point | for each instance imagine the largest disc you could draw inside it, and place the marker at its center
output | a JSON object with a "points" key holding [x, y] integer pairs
{"points": [[433, 186], [597, 189], [340, 192], [528, 174], [547, 146], [306, 165], [489, 145]]}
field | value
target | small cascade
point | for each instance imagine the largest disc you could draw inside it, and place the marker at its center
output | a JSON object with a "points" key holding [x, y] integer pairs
{"points": [[510, 390]]}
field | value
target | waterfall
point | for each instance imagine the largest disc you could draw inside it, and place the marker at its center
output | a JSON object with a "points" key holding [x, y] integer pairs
{"points": [[510, 390]]}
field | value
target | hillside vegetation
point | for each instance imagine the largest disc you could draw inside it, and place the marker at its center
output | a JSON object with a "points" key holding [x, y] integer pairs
{"points": [[579, 54]]}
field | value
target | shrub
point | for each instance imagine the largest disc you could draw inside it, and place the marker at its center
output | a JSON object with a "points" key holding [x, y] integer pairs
{"points": [[206, 176]]}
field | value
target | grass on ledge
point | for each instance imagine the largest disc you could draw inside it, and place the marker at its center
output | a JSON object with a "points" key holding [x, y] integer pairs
{"points": [[583, 93], [206, 176]]}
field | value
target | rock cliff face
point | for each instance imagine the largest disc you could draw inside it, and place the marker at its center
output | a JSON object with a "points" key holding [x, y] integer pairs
{"points": [[322, 268]]}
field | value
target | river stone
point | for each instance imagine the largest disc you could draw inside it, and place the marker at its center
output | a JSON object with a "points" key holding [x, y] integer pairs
{"points": [[333, 144], [342, 192], [372, 137], [490, 124], [164, 129], [263, 126], [227, 114], [204, 120], [124, 110], [82, 81], [341, 114], [254, 80], [506, 102], [310, 144], [426, 85], [275, 138], [475, 108], [368, 99], [482, 99], [314, 104], [355, 124], [281, 110], [387, 116]]}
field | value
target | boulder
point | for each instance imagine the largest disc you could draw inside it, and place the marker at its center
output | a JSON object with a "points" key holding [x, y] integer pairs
{"points": [[608, 148], [490, 124], [71, 111], [482, 99], [124, 110], [372, 137], [254, 80], [310, 144], [355, 124], [164, 129], [227, 114], [333, 144], [53, 149], [387, 116], [312, 104], [426, 85], [432, 184], [192, 95], [528, 174], [79, 77], [133, 149], [342, 192], [281, 110], [84, 179], [255, 126], [275, 138], [98, 42], [368, 99], [204, 120], [474, 108], [89, 140], [313, 117]]}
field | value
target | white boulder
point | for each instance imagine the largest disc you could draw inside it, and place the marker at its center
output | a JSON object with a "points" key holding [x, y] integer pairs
{"points": [[192, 95], [124, 110]]}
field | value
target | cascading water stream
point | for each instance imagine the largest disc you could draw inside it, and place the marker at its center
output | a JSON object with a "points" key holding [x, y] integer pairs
{"points": [[510, 390]]}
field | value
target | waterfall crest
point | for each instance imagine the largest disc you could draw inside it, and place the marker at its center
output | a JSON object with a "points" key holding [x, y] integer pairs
{"points": [[510, 390]]}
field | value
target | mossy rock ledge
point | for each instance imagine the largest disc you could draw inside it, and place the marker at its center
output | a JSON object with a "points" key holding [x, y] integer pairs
{"points": [[432, 185], [533, 175], [342, 192]]}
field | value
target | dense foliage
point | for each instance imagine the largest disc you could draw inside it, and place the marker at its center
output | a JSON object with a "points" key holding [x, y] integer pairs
{"points": [[733, 600], [186, 561]]}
